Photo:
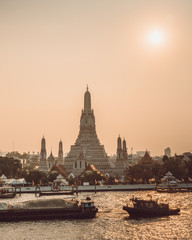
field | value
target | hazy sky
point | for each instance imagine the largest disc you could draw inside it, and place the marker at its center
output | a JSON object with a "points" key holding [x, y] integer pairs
{"points": [[135, 55]]}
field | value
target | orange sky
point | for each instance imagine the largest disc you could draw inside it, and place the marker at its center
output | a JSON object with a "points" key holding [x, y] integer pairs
{"points": [[50, 50]]}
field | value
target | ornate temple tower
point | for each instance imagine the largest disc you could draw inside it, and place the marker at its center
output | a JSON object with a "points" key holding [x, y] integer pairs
{"points": [[43, 165], [87, 148], [125, 155], [60, 154], [121, 160], [51, 160], [119, 148]]}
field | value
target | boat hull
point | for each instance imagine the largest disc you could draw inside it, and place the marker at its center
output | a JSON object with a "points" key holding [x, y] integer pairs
{"points": [[173, 190], [8, 195], [148, 213], [46, 214]]}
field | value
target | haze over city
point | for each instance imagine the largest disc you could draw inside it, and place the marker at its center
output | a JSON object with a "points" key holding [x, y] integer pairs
{"points": [[135, 56]]}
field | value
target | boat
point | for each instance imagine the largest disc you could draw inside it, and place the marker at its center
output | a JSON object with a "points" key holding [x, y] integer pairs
{"points": [[47, 209], [49, 193], [149, 208], [7, 192], [172, 189]]}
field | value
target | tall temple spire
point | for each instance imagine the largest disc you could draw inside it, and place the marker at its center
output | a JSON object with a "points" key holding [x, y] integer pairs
{"points": [[60, 153], [125, 149], [124, 145], [121, 161], [43, 153], [119, 143], [119, 148], [87, 101], [87, 116], [87, 148], [43, 165]]}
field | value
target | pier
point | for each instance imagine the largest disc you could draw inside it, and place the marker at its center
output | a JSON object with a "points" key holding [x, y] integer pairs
{"points": [[97, 188]]}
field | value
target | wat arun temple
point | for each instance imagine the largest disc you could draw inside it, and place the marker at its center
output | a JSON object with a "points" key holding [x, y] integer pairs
{"points": [[87, 148]]}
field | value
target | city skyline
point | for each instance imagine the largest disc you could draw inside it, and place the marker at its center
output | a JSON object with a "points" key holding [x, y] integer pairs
{"points": [[135, 57]]}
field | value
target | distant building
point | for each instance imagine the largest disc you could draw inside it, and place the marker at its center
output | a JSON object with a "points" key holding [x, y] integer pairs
{"points": [[90, 169], [146, 160], [142, 153], [186, 157], [60, 170], [167, 152]]}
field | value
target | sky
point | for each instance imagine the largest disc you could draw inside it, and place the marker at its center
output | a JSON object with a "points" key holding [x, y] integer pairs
{"points": [[135, 56]]}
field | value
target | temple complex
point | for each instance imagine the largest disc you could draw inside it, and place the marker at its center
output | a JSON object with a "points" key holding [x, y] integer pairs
{"points": [[87, 148]]}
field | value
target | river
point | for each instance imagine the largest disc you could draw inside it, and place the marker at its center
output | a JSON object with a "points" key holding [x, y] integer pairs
{"points": [[111, 223]]}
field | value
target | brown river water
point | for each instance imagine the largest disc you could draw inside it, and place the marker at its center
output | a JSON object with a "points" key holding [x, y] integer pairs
{"points": [[111, 223]]}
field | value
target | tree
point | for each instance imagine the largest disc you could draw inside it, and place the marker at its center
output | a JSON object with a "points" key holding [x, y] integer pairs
{"points": [[10, 167], [14, 154], [35, 177], [156, 171], [189, 168], [44, 180], [91, 177], [177, 167], [110, 180], [52, 176], [134, 173], [142, 173]]}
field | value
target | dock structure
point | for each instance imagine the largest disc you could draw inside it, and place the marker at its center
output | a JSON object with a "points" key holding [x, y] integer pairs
{"points": [[99, 188], [89, 188], [173, 189]]}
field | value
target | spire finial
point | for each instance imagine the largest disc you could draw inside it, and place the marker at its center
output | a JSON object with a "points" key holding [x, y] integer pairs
{"points": [[87, 87]]}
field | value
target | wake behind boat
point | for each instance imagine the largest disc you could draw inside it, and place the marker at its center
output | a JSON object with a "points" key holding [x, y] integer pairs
{"points": [[149, 208], [48, 209]]}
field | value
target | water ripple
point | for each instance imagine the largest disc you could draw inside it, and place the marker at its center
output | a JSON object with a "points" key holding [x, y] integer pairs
{"points": [[111, 223]]}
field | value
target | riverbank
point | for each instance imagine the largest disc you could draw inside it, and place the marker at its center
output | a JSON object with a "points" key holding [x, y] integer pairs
{"points": [[97, 188]]}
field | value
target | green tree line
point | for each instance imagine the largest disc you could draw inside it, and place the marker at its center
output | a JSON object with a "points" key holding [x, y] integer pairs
{"points": [[140, 173]]}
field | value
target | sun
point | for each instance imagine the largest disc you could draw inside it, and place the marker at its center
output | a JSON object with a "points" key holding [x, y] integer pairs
{"points": [[156, 37]]}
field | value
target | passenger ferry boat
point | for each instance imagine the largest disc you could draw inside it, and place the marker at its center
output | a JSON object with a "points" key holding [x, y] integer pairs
{"points": [[149, 208], [47, 209]]}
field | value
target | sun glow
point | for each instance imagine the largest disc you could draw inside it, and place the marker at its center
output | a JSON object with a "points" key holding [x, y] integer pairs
{"points": [[156, 37]]}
